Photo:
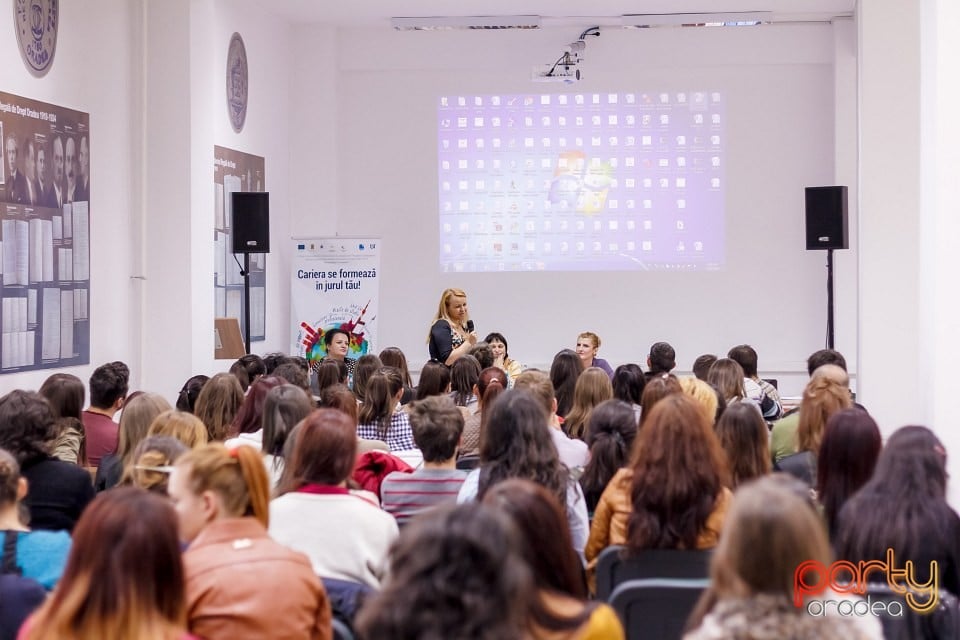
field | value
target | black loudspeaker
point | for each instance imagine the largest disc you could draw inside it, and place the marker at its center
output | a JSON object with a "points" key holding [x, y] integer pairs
{"points": [[251, 222], [827, 218]]}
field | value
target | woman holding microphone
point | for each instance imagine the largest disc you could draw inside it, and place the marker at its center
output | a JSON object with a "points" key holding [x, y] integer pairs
{"points": [[451, 334]]}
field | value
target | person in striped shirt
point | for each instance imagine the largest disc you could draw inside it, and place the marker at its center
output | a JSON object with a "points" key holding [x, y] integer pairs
{"points": [[437, 426]]}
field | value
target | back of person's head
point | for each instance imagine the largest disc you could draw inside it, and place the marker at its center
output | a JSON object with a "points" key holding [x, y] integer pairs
{"points": [[339, 397], [181, 425], [331, 372], [701, 366], [535, 512], [394, 357], [190, 391], [492, 382], [483, 353], [822, 398], [283, 408], [611, 430], [902, 507], [656, 389], [138, 414], [746, 357], [464, 374], [29, 426], [833, 372], [124, 577], [662, 358], [437, 425], [564, 372], [248, 369], [218, 404], [325, 451], [109, 383], [367, 365], [237, 477], [848, 455], [769, 532], [674, 488], [727, 376], [628, 383], [455, 572], [273, 360], [593, 387], [744, 437], [704, 394], [825, 356], [10, 491], [250, 416], [382, 394], [65, 394], [434, 380], [538, 383], [516, 443], [294, 374], [152, 462]]}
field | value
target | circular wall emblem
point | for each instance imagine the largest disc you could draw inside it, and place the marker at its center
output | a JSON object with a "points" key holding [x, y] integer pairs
{"points": [[237, 85], [36, 22]]}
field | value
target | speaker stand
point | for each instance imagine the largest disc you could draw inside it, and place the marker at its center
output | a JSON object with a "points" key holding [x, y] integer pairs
{"points": [[246, 303], [829, 300]]}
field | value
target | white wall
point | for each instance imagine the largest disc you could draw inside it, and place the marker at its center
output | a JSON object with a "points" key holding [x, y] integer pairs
{"points": [[780, 84], [96, 70]]}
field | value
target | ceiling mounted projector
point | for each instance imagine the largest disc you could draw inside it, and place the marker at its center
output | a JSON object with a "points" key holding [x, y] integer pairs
{"points": [[565, 69]]}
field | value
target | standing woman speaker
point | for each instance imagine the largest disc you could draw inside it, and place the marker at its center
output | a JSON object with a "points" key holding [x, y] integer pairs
{"points": [[451, 334]]}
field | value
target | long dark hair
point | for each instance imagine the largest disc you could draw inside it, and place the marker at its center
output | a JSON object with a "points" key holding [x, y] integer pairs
{"points": [[187, 398], [628, 383], [434, 380], [903, 507], [379, 405], [464, 374], [848, 455], [394, 357], [283, 408], [366, 366], [517, 444], [674, 488], [611, 430], [331, 372], [455, 572], [564, 371], [744, 437], [248, 418]]}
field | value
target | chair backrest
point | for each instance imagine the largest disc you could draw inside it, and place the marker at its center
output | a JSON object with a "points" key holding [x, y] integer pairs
{"points": [[468, 463], [656, 608], [613, 568]]}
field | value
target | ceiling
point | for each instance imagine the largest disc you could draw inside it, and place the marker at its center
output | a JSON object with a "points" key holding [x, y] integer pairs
{"points": [[377, 13]]}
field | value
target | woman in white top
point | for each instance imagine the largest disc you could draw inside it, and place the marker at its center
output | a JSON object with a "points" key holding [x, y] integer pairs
{"points": [[345, 534]]}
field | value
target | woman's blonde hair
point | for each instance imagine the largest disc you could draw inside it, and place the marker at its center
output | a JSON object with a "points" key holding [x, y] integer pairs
{"points": [[185, 427], [138, 414], [703, 393], [593, 338], [442, 307], [822, 398], [238, 476], [593, 387]]}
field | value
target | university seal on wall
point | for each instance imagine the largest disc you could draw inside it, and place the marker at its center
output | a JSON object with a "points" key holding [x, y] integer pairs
{"points": [[36, 22], [237, 82]]}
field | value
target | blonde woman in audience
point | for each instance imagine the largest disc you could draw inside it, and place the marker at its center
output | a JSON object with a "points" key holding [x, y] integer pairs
{"points": [[218, 404], [771, 530], [822, 397], [345, 534], [672, 496], [704, 394], [138, 414], [380, 416], [593, 387], [124, 577], [153, 461], [744, 437], [234, 570], [560, 610], [588, 343], [181, 425]]}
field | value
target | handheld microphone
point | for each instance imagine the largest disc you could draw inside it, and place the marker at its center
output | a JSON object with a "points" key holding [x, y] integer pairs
{"points": [[470, 326]]}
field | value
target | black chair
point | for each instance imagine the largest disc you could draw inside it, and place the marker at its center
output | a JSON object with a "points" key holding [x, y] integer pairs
{"points": [[613, 567], [341, 631], [656, 608], [468, 463]]}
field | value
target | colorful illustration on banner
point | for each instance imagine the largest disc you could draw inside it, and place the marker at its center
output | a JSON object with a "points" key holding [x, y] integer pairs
{"points": [[310, 337]]}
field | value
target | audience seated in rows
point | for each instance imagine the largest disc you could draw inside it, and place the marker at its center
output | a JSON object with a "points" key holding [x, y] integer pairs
{"points": [[593, 387], [138, 414], [573, 452], [218, 404], [65, 393], [108, 390], [611, 430], [491, 383], [380, 417], [564, 372]]}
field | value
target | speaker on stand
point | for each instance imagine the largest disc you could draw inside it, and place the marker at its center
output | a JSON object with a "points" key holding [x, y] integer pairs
{"points": [[826, 217], [250, 223]]}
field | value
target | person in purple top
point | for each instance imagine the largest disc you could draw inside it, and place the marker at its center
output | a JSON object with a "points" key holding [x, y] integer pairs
{"points": [[588, 343]]}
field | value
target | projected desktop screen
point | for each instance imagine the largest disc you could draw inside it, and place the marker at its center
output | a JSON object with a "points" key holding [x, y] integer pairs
{"points": [[581, 182]]}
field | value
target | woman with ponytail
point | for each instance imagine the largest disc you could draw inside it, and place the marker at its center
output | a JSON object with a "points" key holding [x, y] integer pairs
{"points": [[380, 415], [491, 384], [234, 570], [611, 430]]}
